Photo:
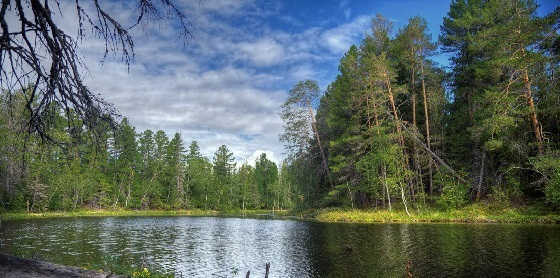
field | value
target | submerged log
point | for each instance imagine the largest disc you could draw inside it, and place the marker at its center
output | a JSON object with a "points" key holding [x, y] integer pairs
{"points": [[267, 269], [266, 273], [408, 273], [12, 267]]}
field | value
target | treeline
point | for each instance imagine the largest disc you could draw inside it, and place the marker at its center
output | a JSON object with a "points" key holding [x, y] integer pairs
{"points": [[108, 166], [396, 127]]}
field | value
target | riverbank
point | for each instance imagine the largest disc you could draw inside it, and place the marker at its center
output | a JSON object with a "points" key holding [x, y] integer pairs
{"points": [[474, 213], [132, 213]]}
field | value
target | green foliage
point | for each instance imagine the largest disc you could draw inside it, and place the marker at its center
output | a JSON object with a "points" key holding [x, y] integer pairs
{"points": [[388, 130], [552, 188], [395, 125], [499, 197], [473, 213], [144, 273], [549, 167], [266, 176], [117, 168], [454, 193]]}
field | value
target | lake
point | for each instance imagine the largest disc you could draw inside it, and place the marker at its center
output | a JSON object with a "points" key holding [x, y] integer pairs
{"points": [[228, 247]]}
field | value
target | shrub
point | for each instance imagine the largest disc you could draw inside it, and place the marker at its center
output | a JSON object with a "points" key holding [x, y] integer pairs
{"points": [[549, 167], [552, 188], [499, 197], [454, 193]]}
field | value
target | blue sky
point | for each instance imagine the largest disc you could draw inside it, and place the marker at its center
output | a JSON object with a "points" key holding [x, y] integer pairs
{"points": [[226, 84]]}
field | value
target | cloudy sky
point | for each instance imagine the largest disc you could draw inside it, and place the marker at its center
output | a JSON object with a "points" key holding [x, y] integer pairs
{"points": [[225, 85]]}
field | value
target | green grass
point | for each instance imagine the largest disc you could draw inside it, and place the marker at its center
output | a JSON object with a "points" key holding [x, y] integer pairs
{"points": [[129, 213], [474, 213]]}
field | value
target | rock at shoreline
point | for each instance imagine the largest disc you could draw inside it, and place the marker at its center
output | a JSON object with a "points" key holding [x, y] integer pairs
{"points": [[14, 267]]}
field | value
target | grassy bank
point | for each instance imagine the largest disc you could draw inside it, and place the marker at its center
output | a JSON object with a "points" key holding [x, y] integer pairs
{"points": [[129, 213], [475, 213]]}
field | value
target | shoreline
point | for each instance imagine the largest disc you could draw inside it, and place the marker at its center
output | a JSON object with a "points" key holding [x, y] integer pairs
{"points": [[10, 216], [470, 214], [17, 267]]}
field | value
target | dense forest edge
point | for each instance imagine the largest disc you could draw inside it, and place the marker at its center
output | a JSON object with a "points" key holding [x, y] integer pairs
{"points": [[394, 138]]}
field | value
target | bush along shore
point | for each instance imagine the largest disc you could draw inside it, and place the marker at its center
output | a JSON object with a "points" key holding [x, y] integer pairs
{"points": [[474, 213]]}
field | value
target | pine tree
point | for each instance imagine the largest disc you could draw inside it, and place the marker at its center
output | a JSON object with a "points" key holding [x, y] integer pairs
{"points": [[266, 176], [224, 167]]}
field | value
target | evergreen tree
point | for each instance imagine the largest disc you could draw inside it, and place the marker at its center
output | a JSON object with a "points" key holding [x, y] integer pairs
{"points": [[266, 176], [224, 167]]}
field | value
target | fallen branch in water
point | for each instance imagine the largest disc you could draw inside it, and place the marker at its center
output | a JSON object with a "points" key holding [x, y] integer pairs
{"points": [[266, 273]]}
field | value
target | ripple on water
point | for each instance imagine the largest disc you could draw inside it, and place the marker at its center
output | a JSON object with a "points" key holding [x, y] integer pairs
{"points": [[225, 247]]}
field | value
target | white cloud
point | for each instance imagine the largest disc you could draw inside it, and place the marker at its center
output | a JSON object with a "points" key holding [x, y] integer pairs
{"points": [[226, 85], [218, 6], [340, 38], [264, 52], [304, 71]]}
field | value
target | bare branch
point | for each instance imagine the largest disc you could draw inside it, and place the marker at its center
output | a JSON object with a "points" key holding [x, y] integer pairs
{"points": [[40, 60]]}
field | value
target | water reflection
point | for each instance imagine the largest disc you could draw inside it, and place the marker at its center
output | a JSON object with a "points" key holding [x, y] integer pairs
{"points": [[228, 247]]}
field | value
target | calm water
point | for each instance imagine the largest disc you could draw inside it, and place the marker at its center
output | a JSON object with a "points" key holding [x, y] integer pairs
{"points": [[228, 247]]}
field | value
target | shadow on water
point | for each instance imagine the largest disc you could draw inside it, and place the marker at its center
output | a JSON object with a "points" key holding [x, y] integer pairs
{"points": [[226, 247]]}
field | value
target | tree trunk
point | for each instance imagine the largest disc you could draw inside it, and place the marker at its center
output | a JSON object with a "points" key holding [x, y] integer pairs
{"points": [[186, 205], [394, 108], [427, 124], [386, 186], [206, 198], [413, 93], [368, 122], [179, 180], [384, 170], [316, 132], [406, 163], [480, 177], [404, 200], [9, 161], [129, 187], [533, 113], [416, 157], [439, 159]]}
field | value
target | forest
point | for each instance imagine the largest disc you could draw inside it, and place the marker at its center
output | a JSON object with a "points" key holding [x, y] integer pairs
{"points": [[393, 129], [117, 167], [396, 127]]}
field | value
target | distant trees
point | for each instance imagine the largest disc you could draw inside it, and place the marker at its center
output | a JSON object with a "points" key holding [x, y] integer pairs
{"points": [[43, 92], [224, 167], [266, 177], [393, 128], [120, 168]]}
